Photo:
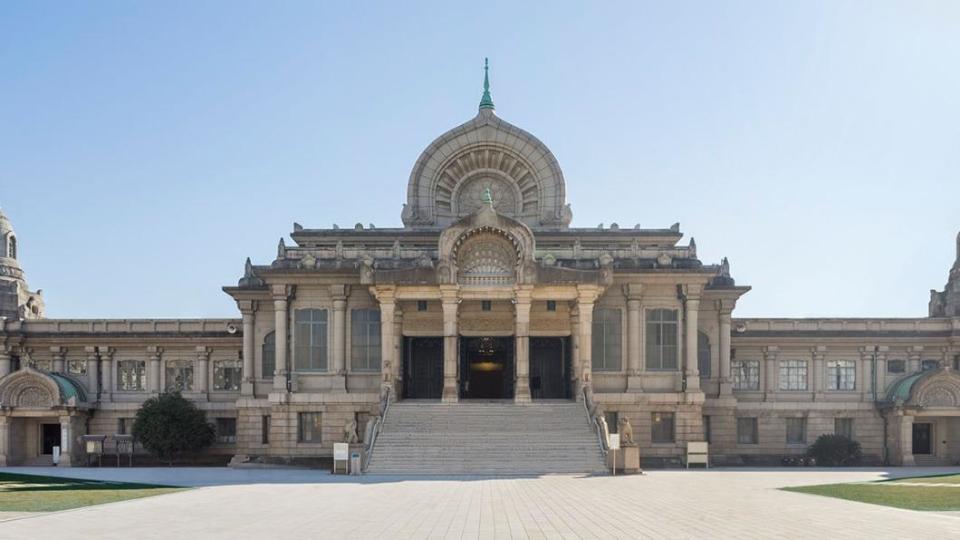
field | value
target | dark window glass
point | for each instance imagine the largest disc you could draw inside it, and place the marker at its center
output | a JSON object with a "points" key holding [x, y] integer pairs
{"points": [[268, 356], [606, 340], [421, 305], [486, 305], [308, 427], [661, 339], [796, 430], [226, 430], [310, 339], [703, 355], [927, 365], [265, 429], [896, 366], [747, 431], [662, 428], [843, 426], [551, 305], [365, 340]]}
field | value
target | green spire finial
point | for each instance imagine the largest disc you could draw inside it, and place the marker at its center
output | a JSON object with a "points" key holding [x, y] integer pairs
{"points": [[488, 196], [486, 102]]}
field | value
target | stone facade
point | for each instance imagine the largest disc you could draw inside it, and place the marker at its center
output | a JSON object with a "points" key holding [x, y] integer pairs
{"points": [[488, 292]]}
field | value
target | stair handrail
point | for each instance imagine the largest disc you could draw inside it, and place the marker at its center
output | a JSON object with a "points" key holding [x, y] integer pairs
{"points": [[377, 426], [594, 421]]}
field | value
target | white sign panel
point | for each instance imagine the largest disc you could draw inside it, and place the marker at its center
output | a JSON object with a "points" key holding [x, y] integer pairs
{"points": [[614, 441], [341, 451]]}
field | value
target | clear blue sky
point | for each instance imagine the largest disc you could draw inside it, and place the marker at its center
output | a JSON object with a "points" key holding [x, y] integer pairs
{"points": [[148, 148]]}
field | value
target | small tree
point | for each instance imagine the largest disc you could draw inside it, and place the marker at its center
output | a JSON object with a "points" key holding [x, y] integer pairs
{"points": [[169, 426], [835, 451]]}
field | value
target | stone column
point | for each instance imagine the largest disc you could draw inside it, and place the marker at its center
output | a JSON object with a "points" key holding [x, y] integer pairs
{"points": [[5, 362], [280, 295], [5, 441], [389, 357], [575, 363], [913, 354], [398, 351], [107, 373], [66, 441], [59, 359], [522, 296], [726, 384], [818, 354], [692, 311], [450, 301], [770, 372], [201, 379], [634, 343], [585, 300], [339, 366], [881, 376], [155, 355], [247, 311], [93, 381]]}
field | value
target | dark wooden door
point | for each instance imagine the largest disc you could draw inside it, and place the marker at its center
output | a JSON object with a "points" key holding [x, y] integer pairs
{"points": [[921, 438], [50, 437], [423, 367], [549, 370]]}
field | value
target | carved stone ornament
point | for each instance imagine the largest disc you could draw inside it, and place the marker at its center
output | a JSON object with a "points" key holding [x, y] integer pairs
{"points": [[29, 389], [350, 432], [626, 432], [487, 259], [664, 260]]}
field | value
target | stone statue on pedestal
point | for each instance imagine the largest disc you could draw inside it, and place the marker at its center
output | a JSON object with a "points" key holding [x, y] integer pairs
{"points": [[350, 432]]}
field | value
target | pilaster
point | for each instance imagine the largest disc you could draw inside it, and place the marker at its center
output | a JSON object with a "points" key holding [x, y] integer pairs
{"points": [[93, 380], [522, 299], [692, 322], [913, 355], [633, 293], [281, 295], [726, 383], [5, 361], [818, 354], [770, 372], [450, 302], [202, 385], [586, 297], [339, 370], [389, 354], [107, 373]]}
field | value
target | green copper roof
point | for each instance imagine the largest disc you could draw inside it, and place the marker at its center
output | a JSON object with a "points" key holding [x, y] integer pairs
{"points": [[68, 388], [901, 389], [486, 102]]}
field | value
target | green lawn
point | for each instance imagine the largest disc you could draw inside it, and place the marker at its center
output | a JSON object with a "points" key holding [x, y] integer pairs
{"points": [[890, 493], [26, 493]]}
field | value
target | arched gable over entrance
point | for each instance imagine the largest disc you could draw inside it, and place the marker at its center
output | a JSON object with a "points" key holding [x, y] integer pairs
{"points": [[486, 249], [32, 389]]}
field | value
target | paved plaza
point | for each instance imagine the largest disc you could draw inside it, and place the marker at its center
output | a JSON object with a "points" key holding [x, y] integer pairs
{"points": [[732, 503]]}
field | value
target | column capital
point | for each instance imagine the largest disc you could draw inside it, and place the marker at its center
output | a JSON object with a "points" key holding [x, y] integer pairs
{"points": [[203, 352], [725, 306], [449, 294], [385, 294], [339, 291], [818, 352], [588, 294], [105, 352], [633, 291], [154, 351], [693, 291], [58, 351], [770, 352], [281, 291], [91, 352], [247, 307]]}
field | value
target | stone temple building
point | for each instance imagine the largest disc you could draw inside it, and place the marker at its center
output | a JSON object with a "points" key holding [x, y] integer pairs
{"points": [[486, 295]]}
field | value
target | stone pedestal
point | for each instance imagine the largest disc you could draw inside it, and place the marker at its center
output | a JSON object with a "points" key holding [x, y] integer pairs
{"points": [[627, 460]]}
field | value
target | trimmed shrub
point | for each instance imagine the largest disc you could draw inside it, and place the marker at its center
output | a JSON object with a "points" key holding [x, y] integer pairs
{"points": [[169, 426], [835, 451]]}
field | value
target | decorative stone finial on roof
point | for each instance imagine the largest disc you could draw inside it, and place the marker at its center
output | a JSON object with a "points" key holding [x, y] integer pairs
{"points": [[487, 196], [724, 270], [281, 250], [486, 102]]}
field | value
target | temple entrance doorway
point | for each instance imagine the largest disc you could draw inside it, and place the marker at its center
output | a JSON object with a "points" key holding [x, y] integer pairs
{"points": [[49, 437], [422, 367], [549, 367], [486, 367], [922, 435]]}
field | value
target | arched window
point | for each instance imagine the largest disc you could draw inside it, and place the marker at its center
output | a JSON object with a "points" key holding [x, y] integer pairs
{"points": [[12, 247], [268, 356], [703, 355]]}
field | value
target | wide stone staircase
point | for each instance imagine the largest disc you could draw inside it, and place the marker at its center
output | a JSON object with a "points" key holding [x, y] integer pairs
{"points": [[486, 438]]}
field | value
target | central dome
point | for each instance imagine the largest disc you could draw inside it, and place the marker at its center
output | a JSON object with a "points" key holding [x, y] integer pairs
{"points": [[486, 153]]}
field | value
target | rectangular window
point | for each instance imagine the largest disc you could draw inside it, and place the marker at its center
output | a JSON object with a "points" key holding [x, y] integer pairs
{"points": [[927, 365], [841, 375], [421, 305], [793, 374], [131, 375], [125, 426], [796, 430], [746, 374], [308, 427], [661, 339], [227, 374], [486, 305], [551, 305], [310, 339], [42, 364], [662, 428], [613, 421], [747, 431], [843, 426], [77, 367], [268, 355], [706, 429], [365, 340], [226, 430], [896, 366], [179, 376], [265, 429], [606, 340]]}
